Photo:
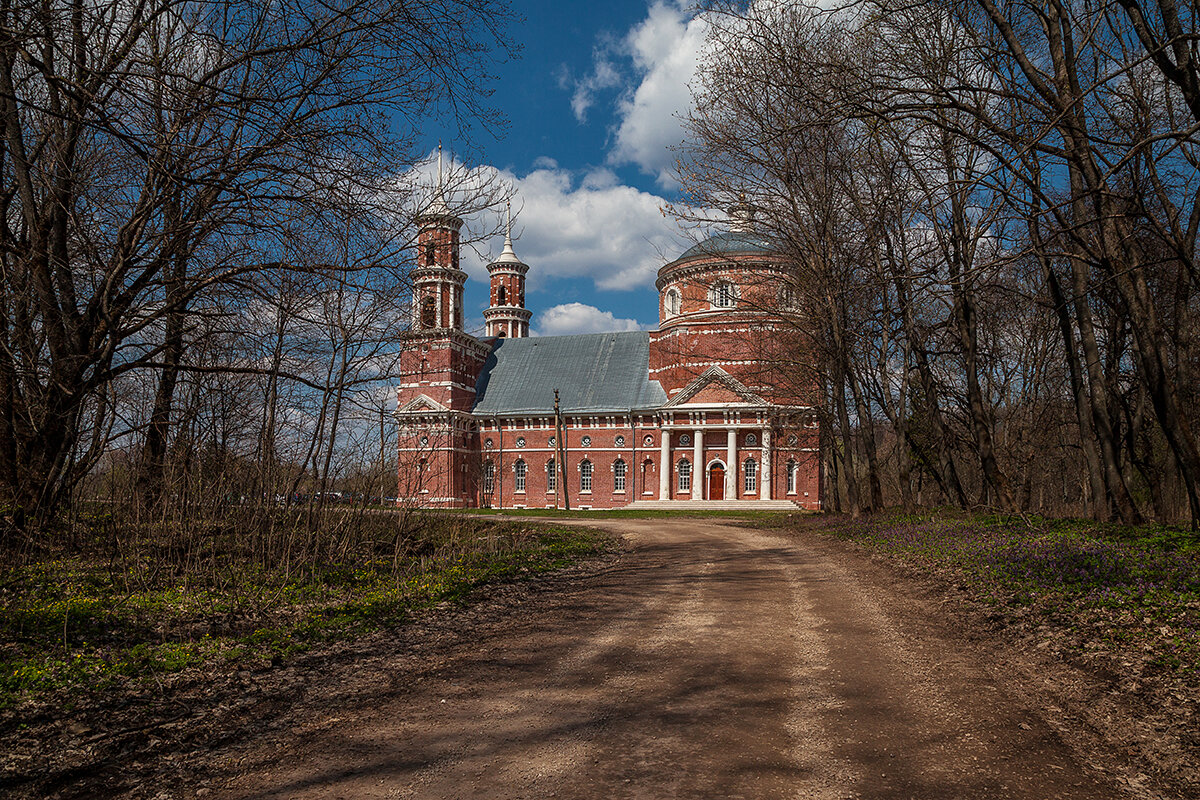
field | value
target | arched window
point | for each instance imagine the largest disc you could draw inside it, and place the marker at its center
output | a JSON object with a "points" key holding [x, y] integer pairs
{"points": [[647, 471], [685, 475], [672, 302], [750, 475], [787, 297], [519, 470], [428, 312], [619, 475], [585, 476], [489, 477], [723, 295], [791, 476], [501, 297], [551, 476], [429, 251]]}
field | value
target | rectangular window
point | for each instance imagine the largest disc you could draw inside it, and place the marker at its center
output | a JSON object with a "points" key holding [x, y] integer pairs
{"points": [[685, 476], [551, 476], [750, 471], [791, 477], [489, 478], [519, 469], [619, 476], [585, 476]]}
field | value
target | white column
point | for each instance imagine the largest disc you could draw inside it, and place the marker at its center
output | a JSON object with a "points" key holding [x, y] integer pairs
{"points": [[438, 315], [731, 465], [764, 488], [664, 466], [698, 464]]}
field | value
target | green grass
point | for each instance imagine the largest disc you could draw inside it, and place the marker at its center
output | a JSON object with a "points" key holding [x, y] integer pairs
{"points": [[88, 623], [1133, 592]]}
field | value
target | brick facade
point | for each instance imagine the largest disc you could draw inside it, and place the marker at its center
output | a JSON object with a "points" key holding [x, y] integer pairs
{"points": [[720, 427]]}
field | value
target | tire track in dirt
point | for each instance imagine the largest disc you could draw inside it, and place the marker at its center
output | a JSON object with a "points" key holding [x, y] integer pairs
{"points": [[711, 661]]}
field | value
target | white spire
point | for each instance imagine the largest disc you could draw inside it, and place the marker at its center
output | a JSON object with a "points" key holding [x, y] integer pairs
{"points": [[508, 256], [438, 207]]}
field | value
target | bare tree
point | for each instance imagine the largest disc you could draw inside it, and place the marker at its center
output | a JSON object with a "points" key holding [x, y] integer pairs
{"points": [[153, 156]]}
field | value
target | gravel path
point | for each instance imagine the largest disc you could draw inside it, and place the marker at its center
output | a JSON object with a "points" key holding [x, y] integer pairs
{"points": [[709, 661]]}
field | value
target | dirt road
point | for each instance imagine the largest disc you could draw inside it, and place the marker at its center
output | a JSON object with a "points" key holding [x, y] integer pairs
{"points": [[709, 661]]}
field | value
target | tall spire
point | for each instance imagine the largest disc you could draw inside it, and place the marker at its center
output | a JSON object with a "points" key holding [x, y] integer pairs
{"points": [[508, 255], [438, 210]]}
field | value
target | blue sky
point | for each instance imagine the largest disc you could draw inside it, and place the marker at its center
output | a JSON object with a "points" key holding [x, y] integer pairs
{"points": [[593, 102]]}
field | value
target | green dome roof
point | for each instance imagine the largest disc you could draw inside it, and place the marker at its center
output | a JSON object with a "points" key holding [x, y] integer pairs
{"points": [[728, 243]]}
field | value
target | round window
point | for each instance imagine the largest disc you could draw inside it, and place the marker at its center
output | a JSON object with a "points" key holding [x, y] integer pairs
{"points": [[620, 441], [553, 441], [586, 441], [424, 441], [487, 443], [751, 439], [521, 441], [648, 440], [793, 440], [685, 440]]}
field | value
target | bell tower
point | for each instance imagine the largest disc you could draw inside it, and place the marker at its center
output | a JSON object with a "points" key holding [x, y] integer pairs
{"points": [[506, 315], [437, 279]]}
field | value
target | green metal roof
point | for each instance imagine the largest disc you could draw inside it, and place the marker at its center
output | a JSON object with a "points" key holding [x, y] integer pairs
{"points": [[727, 243], [595, 372]]}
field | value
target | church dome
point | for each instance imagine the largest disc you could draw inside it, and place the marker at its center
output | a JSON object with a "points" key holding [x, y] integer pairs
{"points": [[727, 243]]}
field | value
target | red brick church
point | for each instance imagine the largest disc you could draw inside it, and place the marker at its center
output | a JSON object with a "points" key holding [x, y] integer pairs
{"points": [[690, 414]]}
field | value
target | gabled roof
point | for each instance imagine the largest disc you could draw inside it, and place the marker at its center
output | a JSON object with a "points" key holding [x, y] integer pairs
{"points": [[421, 402], [730, 391], [595, 372]]}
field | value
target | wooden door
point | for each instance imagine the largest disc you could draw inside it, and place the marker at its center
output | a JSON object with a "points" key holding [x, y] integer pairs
{"points": [[716, 482]]}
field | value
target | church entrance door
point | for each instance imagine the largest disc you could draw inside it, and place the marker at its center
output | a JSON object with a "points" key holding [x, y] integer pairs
{"points": [[716, 482]]}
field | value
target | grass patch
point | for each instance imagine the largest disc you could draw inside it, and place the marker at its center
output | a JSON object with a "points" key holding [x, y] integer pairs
{"points": [[134, 613], [1133, 592]]}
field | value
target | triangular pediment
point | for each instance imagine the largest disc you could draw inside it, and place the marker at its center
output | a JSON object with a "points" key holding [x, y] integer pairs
{"points": [[715, 387], [421, 402]]}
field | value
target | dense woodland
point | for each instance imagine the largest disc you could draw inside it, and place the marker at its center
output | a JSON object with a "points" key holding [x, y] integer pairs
{"points": [[992, 208], [205, 208]]}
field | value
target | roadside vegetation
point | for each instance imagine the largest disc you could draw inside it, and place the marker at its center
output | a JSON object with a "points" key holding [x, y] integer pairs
{"points": [[1133, 592], [111, 604], [1119, 603]]}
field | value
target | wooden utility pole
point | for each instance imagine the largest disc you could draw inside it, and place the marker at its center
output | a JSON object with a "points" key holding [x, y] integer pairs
{"points": [[560, 453]]}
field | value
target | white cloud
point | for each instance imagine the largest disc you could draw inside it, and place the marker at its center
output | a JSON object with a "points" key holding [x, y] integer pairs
{"points": [[604, 75], [589, 227], [566, 225], [653, 64], [569, 318], [665, 48]]}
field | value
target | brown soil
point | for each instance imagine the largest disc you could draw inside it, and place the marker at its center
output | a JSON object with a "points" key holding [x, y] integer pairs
{"points": [[707, 660]]}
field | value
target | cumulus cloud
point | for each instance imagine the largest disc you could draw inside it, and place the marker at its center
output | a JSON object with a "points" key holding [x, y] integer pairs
{"points": [[566, 224], [665, 49], [586, 226], [652, 65], [605, 74], [569, 318]]}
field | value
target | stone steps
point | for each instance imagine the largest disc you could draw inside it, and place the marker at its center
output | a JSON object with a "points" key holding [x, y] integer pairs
{"points": [[713, 505]]}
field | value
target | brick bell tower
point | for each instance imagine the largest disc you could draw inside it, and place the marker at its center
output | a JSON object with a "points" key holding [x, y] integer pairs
{"points": [[440, 363], [437, 279], [506, 315]]}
